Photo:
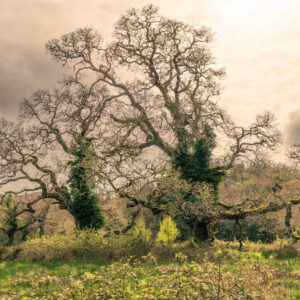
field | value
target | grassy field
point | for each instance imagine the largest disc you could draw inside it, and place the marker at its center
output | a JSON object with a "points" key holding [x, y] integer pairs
{"points": [[227, 274]]}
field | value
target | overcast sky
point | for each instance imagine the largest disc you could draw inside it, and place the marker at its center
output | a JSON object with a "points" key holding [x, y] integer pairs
{"points": [[257, 41]]}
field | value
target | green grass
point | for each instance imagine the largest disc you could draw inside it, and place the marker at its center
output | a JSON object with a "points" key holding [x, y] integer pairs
{"points": [[12, 269]]}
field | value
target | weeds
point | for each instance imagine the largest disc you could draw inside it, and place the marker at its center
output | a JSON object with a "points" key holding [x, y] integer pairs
{"points": [[134, 280], [142, 269]]}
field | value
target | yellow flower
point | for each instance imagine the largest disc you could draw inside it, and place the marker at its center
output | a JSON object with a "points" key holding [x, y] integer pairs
{"points": [[218, 253], [143, 282], [89, 275]]}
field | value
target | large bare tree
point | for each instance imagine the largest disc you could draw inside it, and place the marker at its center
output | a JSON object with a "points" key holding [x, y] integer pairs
{"points": [[167, 83], [158, 84]]}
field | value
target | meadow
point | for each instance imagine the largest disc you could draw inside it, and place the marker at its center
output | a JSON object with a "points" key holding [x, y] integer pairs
{"points": [[121, 267]]}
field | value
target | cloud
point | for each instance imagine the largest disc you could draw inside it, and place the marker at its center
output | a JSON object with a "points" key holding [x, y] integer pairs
{"points": [[293, 127], [259, 50], [23, 72], [26, 25]]}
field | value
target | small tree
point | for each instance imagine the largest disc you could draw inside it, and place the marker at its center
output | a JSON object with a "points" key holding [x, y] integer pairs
{"points": [[168, 232], [140, 232]]}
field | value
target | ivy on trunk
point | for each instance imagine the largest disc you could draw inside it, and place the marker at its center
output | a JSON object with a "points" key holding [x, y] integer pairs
{"points": [[85, 203]]}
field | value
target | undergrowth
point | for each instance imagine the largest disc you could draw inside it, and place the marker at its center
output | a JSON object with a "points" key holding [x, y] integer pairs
{"points": [[146, 279], [87, 265]]}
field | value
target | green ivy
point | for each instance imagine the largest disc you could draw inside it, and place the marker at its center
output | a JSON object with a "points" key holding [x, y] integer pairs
{"points": [[85, 203], [196, 166]]}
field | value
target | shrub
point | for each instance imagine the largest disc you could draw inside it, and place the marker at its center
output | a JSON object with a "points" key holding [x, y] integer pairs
{"points": [[140, 232], [286, 252], [88, 244], [168, 232], [140, 238]]}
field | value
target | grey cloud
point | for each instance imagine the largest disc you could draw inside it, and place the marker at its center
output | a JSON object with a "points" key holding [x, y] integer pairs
{"points": [[26, 25], [26, 71]]}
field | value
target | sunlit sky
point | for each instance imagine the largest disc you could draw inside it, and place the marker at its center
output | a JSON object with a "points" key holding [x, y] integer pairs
{"points": [[257, 41]]}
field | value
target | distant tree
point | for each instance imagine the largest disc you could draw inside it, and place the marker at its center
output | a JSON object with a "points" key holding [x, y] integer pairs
{"points": [[261, 184], [294, 153]]}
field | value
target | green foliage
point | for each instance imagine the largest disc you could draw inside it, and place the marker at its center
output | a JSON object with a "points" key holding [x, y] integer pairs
{"points": [[140, 232], [224, 272], [84, 243], [239, 279], [256, 184], [11, 221], [255, 229], [87, 244], [196, 166], [85, 203], [173, 191], [186, 202], [168, 232]]}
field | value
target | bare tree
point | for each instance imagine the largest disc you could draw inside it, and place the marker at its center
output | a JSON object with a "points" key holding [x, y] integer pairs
{"points": [[173, 93], [48, 149], [294, 153], [152, 92], [167, 97]]}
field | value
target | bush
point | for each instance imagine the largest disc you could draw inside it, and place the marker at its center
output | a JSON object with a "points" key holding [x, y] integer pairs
{"points": [[168, 232], [286, 252], [88, 244], [141, 238]]}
